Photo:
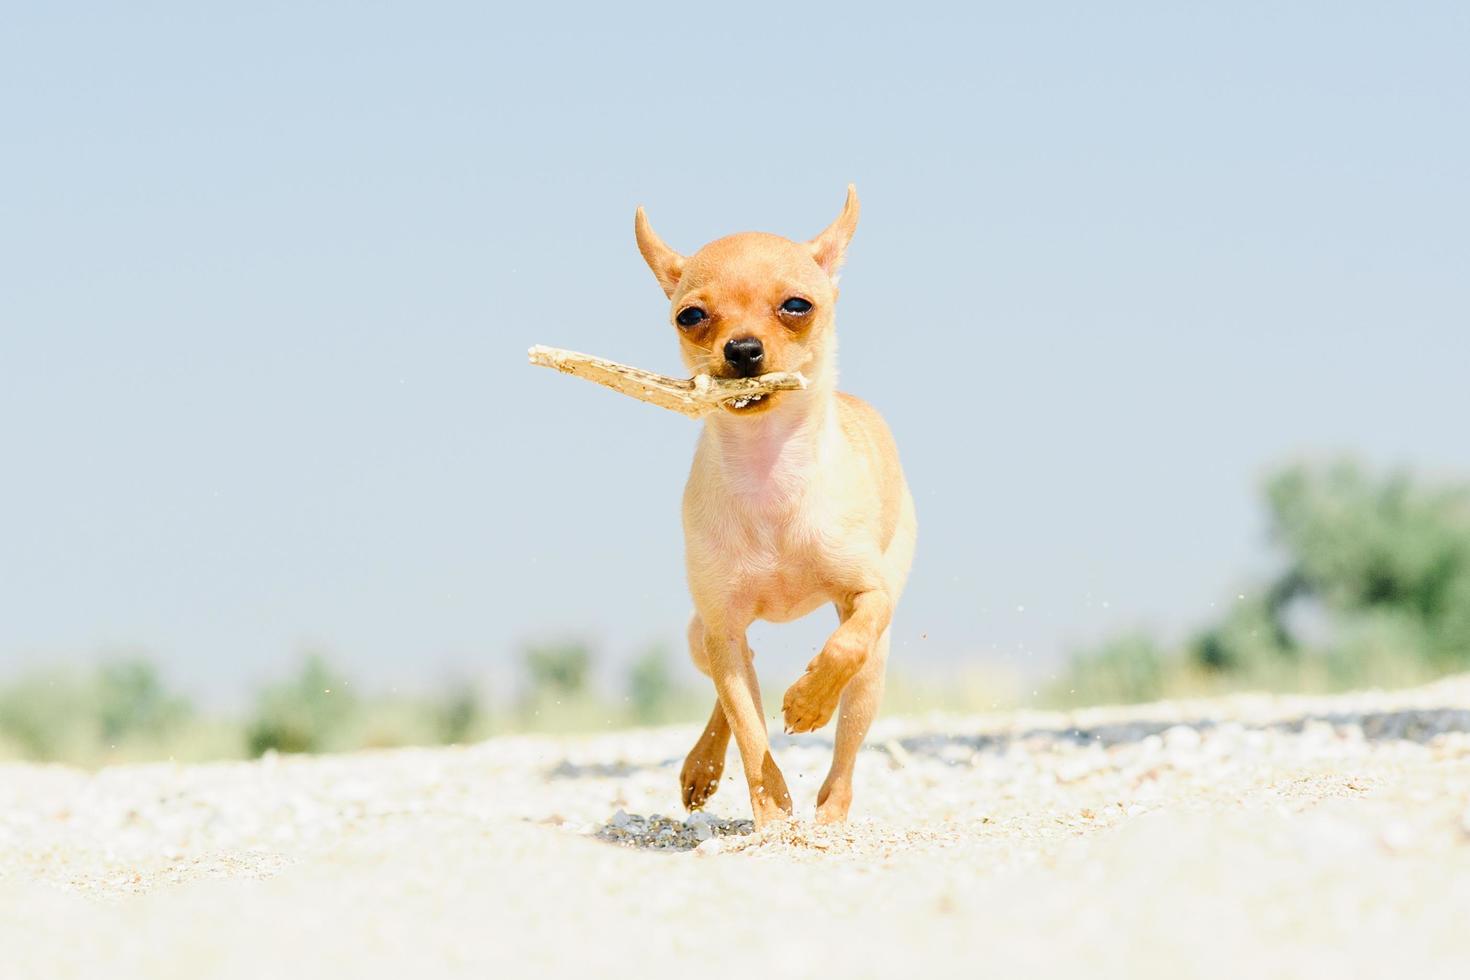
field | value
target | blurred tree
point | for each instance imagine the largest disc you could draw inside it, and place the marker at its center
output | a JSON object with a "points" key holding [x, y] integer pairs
{"points": [[50, 716], [458, 714], [1251, 635], [558, 669], [1125, 669], [309, 713], [1383, 558], [1360, 544], [1378, 648], [132, 700]]}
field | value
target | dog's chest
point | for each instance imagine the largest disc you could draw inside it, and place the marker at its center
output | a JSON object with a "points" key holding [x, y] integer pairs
{"points": [[779, 559], [765, 526]]}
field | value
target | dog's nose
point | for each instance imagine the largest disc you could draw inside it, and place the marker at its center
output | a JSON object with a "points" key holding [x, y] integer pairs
{"points": [[745, 355]]}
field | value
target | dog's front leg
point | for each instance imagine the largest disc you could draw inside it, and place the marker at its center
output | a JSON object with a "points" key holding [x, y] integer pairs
{"points": [[732, 668], [811, 701]]}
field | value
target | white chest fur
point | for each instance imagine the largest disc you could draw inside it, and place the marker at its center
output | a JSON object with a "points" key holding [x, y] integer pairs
{"points": [[764, 519]]}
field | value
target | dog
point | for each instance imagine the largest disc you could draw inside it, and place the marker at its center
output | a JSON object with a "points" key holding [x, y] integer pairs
{"points": [[795, 499]]}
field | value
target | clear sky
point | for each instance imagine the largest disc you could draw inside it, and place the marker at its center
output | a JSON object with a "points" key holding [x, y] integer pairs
{"points": [[268, 273]]}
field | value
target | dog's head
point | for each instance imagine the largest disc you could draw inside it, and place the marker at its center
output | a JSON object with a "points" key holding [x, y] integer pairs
{"points": [[753, 302]]}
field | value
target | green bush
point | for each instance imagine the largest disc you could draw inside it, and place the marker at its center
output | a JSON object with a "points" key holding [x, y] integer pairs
{"points": [[1383, 558], [558, 669], [133, 701], [1359, 543], [309, 713], [51, 716], [459, 716], [1248, 641], [1125, 669], [120, 710]]}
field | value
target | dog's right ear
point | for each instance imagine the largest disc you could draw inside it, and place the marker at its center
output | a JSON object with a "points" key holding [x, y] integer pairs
{"points": [[667, 264]]}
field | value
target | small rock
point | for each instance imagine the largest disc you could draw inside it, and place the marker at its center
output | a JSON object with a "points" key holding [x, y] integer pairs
{"points": [[712, 846], [621, 820], [1397, 836], [1318, 732], [1078, 770], [1181, 737], [703, 832]]}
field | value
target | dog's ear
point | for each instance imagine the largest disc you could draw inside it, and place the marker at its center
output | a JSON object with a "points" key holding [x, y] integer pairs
{"points": [[667, 264], [830, 246]]}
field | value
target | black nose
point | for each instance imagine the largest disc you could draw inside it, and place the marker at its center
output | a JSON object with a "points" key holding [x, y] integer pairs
{"points": [[745, 355]]}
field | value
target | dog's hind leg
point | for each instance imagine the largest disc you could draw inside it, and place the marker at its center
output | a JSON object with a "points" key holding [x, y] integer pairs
{"points": [[860, 700], [705, 763]]}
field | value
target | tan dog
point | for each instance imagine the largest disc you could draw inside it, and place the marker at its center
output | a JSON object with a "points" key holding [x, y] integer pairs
{"points": [[795, 500]]}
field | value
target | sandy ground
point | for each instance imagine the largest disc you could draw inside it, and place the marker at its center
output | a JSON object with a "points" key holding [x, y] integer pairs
{"points": [[1266, 837]]}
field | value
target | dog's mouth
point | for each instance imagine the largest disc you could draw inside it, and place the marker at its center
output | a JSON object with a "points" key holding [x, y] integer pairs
{"points": [[750, 404], [762, 398]]}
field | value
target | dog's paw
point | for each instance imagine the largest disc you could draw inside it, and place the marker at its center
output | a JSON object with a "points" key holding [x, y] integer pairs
{"points": [[811, 701], [833, 802], [770, 801], [700, 778]]}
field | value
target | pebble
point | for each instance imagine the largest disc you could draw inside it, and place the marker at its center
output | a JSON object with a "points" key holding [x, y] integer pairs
{"points": [[662, 833], [1182, 738], [1398, 836]]}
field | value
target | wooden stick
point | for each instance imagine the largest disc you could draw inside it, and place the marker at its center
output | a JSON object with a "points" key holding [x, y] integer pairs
{"points": [[694, 397]]}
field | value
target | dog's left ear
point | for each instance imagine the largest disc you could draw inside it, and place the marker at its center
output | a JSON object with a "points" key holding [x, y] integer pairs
{"points": [[830, 246]]}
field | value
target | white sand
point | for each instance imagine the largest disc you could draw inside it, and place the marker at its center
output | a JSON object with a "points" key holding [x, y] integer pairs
{"points": [[1239, 837]]}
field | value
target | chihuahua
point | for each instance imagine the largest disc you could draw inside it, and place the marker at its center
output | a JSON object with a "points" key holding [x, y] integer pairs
{"points": [[795, 499]]}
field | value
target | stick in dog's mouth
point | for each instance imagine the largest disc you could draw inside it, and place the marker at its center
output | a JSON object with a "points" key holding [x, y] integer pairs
{"points": [[694, 397]]}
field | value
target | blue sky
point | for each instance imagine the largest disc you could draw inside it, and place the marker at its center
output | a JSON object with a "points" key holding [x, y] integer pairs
{"points": [[270, 273]]}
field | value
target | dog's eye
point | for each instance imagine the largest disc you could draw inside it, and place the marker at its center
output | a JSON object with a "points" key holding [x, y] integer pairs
{"points": [[690, 316], [796, 305]]}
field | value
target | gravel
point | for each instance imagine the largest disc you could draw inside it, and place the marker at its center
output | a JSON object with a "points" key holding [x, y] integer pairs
{"points": [[1253, 834]]}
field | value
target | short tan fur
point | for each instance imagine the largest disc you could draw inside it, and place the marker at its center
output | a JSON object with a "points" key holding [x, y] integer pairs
{"points": [[794, 501]]}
